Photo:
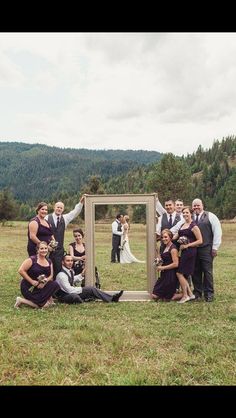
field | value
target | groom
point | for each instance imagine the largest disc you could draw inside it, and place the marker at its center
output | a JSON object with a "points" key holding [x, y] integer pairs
{"points": [[116, 238]]}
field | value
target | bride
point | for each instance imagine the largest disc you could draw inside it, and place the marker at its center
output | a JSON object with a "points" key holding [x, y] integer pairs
{"points": [[125, 254]]}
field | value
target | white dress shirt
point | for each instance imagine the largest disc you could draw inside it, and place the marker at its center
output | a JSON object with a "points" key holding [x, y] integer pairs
{"points": [[63, 281]]}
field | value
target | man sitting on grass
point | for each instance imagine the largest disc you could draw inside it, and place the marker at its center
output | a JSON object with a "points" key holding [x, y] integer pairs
{"points": [[69, 293]]}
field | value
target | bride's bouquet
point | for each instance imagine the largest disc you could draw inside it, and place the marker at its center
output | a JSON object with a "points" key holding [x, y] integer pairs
{"points": [[121, 247], [41, 279]]}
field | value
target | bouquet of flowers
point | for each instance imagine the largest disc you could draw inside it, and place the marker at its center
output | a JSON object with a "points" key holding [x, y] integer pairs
{"points": [[79, 265], [41, 279], [53, 244], [121, 247], [158, 262], [183, 240]]}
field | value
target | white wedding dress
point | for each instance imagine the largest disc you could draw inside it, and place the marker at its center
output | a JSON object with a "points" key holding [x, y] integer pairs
{"points": [[125, 254]]}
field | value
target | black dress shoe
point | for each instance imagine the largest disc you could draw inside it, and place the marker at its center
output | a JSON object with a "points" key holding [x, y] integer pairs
{"points": [[116, 297]]}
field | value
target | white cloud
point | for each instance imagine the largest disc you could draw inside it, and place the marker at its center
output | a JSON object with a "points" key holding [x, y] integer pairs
{"points": [[168, 92]]}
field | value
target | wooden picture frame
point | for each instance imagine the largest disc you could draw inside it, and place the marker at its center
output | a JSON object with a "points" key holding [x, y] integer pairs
{"points": [[116, 199]]}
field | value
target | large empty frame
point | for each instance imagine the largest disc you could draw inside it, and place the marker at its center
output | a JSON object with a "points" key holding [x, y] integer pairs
{"points": [[115, 199]]}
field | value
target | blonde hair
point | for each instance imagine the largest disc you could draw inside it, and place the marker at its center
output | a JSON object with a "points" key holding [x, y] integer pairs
{"points": [[167, 231], [39, 243]]}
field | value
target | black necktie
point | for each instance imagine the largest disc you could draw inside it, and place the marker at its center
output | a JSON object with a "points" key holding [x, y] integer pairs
{"points": [[58, 221], [72, 277], [197, 216], [170, 221]]}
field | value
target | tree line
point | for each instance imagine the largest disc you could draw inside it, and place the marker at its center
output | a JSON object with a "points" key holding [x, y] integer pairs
{"points": [[36, 172], [208, 174]]}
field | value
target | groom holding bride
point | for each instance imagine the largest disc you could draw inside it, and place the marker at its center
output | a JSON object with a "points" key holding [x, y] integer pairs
{"points": [[120, 241], [116, 238]]}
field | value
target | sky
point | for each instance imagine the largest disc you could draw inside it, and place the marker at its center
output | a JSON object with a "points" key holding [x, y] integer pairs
{"points": [[165, 92]]}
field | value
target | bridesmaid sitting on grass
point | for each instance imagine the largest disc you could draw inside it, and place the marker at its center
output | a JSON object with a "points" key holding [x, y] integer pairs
{"points": [[35, 293]]}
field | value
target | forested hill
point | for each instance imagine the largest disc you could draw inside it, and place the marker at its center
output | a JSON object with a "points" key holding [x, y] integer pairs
{"points": [[35, 172], [207, 174]]}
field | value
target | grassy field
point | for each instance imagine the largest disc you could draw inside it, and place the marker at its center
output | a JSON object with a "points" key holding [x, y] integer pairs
{"points": [[129, 343]]}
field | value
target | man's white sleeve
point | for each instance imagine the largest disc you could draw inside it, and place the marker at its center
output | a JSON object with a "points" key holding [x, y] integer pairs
{"points": [[175, 228], [68, 217], [78, 278], [159, 207], [114, 229], [216, 229], [158, 226]]}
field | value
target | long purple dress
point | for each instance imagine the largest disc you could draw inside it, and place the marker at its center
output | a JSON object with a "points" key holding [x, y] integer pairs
{"points": [[38, 296], [44, 234], [188, 256], [166, 285]]}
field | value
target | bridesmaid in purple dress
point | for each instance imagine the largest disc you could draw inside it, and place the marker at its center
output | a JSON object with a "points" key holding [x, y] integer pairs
{"points": [[37, 294], [165, 287], [39, 229], [77, 251], [190, 230]]}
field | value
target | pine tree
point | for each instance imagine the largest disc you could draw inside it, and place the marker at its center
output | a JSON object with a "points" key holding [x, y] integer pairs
{"points": [[8, 206]]}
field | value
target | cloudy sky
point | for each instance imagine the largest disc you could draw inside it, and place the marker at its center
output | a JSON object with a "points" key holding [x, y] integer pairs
{"points": [[168, 92]]}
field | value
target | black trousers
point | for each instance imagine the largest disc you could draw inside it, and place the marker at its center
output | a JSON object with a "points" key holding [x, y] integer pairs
{"points": [[115, 252], [88, 293], [56, 257], [203, 274]]}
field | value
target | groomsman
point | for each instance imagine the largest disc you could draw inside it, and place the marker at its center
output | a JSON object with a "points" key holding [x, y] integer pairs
{"points": [[58, 223], [116, 238], [211, 230], [72, 294], [169, 218]]}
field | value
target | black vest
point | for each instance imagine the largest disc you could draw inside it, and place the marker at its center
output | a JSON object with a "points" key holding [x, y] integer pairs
{"points": [[58, 232], [119, 226], [206, 229], [165, 222]]}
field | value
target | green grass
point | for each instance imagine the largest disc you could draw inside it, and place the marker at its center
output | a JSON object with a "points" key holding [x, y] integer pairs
{"points": [[130, 343]]}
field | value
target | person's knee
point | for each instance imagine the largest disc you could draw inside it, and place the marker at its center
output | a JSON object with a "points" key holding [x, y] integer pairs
{"points": [[76, 299], [71, 299]]}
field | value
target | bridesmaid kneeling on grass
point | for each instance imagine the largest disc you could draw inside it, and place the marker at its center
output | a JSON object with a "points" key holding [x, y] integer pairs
{"points": [[165, 287], [36, 293]]}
